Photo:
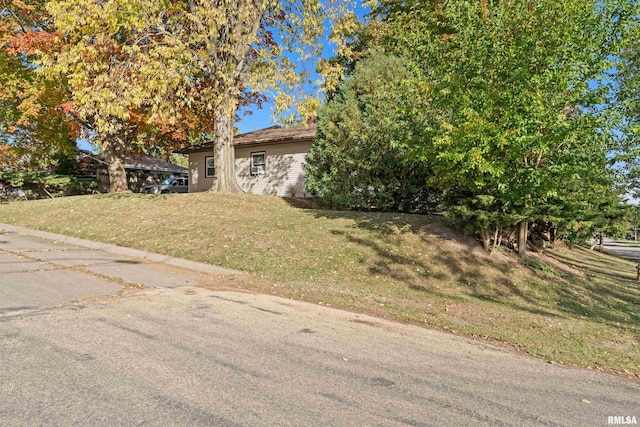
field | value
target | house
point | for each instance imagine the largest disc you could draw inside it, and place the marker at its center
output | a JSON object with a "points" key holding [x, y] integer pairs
{"points": [[141, 170], [268, 161]]}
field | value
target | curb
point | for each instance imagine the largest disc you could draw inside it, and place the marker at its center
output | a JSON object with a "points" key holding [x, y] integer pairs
{"points": [[120, 250]]}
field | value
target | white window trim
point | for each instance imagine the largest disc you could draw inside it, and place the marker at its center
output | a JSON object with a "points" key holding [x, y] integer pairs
{"points": [[264, 165], [206, 168]]}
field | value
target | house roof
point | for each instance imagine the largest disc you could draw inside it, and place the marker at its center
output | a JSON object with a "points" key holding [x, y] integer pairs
{"points": [[150, 163], [143, 163], [270, 135]]}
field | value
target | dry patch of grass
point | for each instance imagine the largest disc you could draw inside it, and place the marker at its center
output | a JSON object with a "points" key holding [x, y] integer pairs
{"points": [[569, 306]]}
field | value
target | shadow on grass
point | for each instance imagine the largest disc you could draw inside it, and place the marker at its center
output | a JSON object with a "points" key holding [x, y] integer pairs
{"points": [[594, 264], [606, 292], [459, 266], [405, 269], [499, 288], [301, 203], [383, 223]]}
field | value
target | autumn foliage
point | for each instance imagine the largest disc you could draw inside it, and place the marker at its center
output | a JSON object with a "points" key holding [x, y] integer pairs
{"points": [[33, 127], [139, 75]]}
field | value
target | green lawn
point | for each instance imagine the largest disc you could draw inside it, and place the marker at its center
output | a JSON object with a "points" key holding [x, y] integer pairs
{"points": [[569, 306]]}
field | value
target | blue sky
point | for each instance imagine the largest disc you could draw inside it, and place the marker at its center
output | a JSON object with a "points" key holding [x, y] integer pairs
{"points": [[262, 118]]}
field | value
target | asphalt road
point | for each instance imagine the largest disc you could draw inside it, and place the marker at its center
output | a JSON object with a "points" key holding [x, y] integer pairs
{"points": [[624, 251], [82, 345]]}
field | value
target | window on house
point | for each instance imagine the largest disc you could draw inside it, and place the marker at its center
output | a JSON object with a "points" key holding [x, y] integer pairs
{"points": [[258, 163], [210, 167]]}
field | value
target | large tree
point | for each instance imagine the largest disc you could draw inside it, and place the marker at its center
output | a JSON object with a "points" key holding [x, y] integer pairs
{"points": [[142, 68], [628, 103], [34, 129], [119, 77], [515, 91], [360, 159]]}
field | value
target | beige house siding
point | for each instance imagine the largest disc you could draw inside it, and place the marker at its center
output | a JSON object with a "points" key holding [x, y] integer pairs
{"points": [[197, 178], [284, 170]]}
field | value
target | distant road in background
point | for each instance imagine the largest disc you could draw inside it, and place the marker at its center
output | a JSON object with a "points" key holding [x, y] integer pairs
{"points": [[625, 249]]}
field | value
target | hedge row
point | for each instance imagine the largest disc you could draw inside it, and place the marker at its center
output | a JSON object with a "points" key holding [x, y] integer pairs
{"points": [[41, 185]]}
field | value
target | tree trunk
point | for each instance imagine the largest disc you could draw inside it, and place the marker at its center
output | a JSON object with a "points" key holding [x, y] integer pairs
{"points": [[224, 157], [495, 242], [552, 237], [601, 243], [485, 240], [545, 234], [546, 238], [522, 238], [115, 148]]}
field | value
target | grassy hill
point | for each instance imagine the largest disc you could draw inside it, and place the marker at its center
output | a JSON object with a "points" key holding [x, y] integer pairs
{"points": [[568, 306]]}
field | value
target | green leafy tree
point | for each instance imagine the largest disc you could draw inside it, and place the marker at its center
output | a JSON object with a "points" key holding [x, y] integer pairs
{"points": [[514, 91], [634, 221], [360, 158], [628, 104]]}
